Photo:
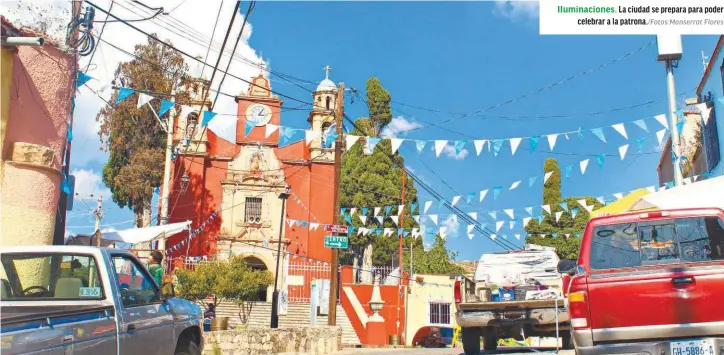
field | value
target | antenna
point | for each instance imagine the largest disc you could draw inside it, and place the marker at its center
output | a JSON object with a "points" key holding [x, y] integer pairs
{"points": [[703, 61]]}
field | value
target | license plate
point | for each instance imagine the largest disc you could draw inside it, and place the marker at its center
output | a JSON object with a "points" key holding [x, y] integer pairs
{"points": [[692, 347]]}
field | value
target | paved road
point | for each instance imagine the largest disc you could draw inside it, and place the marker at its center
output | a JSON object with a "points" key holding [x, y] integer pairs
{"points": [[446, 351]]}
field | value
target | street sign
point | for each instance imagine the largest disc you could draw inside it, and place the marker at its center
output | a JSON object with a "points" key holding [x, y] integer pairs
{"points": [[336, 242], [330, 228]]}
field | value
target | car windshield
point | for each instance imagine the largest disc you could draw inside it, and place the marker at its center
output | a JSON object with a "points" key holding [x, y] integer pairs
{"points": [[39, 276]]}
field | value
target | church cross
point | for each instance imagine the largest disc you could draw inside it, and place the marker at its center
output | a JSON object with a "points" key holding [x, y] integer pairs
{"points": [[327, 69]]}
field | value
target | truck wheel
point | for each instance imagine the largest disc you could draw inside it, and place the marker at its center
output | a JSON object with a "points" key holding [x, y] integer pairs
{"points": [[566, 342], [189, 348], [471, 341], [490, 339]]}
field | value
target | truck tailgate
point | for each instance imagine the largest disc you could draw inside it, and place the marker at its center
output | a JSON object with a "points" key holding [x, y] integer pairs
{"points": [[528, 304]]}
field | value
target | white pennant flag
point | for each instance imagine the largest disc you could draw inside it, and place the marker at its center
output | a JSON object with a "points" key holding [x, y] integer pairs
{"points": [[620, 128], [558, 215], [662, 119], [589, 208], [395, 143], [352, 211], [567, 235], [143, 99], [582, 202], [290, 222], [351, 140], [400, 209], [584, 165], [455, 200], [363, 219], [517, 236], [618, 195], [493, 236], [442, 232], [427, 206], [415, 232], [380, 219], [547, 208], [525, 221], [439, 146], [704, 111], [622, 150], [660, 136], [552, 140], [470, 228], [377, 210], [433, 218], [547, 176], [387, 232], [515, 184], [473, 215], [270, 129], [651, 189], [512, 224], [471, 236], [509, 212], [395, 219], [416, 218], [529, 210], [310, 135], [498, 225], [313, 226], [479, 144], [482, 194], [514, 143]]}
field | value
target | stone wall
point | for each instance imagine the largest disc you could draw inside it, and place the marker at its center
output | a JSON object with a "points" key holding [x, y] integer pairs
{"points": [[320, 340]]}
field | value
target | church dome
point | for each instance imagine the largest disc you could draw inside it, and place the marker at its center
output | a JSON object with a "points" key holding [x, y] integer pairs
{"points": [[327, 85]]}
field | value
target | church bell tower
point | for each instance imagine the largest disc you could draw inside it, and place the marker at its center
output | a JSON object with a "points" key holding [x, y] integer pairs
{"points": [[321, 118]]}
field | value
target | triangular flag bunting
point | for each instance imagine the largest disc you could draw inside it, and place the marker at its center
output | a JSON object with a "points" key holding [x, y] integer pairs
{"points": [[620, 128], [473, 215], [640, 144], [564, 206], [574, 212], [534, 142], [372, 143], [427, 206], [569, 170], [529, 210], [377, 210], [598, 132], [442, 232], [123, 93], [459, 145], [546, 208], [532, 180], [704, 111], [380, 220], [363, 219], [388, 209], [584, 165], [249, 126], [433, 218], [439, 146], [455, 200], [498, 225], [493, 215], [82, 79], [641, 124], [512, 225], [622, 150], [496, 192], [471, 196], [552, 140], [514, 143], [143, 99], [479, 144], [400, 209], [470, 228], [547, 176], [558, 215], [618, 195], [270, 129], [395, 144], [514, 185], [497, 145], [416, 218], [351, 140], [600, 159], [662, 119], [517, 236], [509, 212], [660, 136], [420, 145], [207, 117], [482, 194], [395, 219], [313, 226], [471, 236], [525, 221]]}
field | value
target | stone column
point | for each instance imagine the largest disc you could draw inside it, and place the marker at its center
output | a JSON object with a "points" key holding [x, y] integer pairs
{"points": [[376, 333]]}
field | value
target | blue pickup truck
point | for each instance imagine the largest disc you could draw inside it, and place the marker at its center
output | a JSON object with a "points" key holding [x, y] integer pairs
{"points": [[85, 300]]}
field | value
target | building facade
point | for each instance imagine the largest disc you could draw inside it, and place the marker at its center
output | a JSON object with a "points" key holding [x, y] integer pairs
{"points": [[241, 182], [37, 88]]}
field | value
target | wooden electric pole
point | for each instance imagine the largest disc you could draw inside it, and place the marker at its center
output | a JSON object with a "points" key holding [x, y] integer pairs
{"points": [[334, 264], [401, 237], [98, 213]]}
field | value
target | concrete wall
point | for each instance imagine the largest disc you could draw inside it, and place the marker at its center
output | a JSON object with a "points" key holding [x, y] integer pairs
{"points": [[320, 340], [434, 288], [34, 140], [713, 83]]}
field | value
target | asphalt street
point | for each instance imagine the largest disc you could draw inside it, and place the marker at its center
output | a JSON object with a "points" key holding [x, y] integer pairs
{"points": [[448, 351]]}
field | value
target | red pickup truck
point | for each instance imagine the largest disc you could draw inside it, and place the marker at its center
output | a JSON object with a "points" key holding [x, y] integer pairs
{"points": [[650, 283]]}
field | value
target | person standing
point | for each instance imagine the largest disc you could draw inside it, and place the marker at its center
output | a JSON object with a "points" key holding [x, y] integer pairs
{"points": [[155, 267]]}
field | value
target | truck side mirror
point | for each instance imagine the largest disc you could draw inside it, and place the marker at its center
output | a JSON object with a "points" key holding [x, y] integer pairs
{"points": [[167, 291], [566, 266]]}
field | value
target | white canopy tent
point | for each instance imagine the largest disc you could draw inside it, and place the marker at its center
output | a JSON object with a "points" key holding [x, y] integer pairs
{"points": [[707, 193], [131, 236]]}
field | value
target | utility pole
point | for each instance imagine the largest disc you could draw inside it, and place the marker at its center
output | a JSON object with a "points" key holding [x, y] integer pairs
{"points": [[98, 213], [334, 264], [670, 51], [401, 237], [166, 176]]}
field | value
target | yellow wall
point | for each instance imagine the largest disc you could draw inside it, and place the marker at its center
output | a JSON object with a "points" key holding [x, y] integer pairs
{"points": [[435, 288]]}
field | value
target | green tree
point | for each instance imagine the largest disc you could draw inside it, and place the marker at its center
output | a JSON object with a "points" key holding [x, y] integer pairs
{"points": [[133, 137], [378, 103], [437, 260], [565, 229]]}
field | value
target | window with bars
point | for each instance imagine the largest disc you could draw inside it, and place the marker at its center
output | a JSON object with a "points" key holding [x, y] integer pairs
{"points": [[253, 210], [440, 313]]}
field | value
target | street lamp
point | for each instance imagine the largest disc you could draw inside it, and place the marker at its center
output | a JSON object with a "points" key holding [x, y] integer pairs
{"points": [[670, 52], [185, 180], [275, 296]]}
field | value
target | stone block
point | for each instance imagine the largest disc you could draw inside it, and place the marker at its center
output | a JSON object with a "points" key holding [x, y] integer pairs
{"points": [[321, 340], [34, 154]]}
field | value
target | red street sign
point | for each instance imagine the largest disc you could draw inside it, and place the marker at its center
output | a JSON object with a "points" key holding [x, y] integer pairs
{"points": [[330, 228]]}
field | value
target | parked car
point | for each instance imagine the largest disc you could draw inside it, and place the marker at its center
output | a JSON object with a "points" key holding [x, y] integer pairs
{"points": [[85, 300], [650, 283], [519, 309]]}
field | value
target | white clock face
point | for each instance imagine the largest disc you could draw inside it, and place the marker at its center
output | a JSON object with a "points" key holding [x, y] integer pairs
{"points": [[258, 114]]}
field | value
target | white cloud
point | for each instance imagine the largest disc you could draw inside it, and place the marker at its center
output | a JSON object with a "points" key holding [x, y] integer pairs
{"points": [[450, 152], [88, 182], [451, 225], [517, 10], [399, 126]]}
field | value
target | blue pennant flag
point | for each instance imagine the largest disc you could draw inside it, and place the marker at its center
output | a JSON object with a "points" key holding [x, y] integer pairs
{"points": [[297, 223], [413, 207], [351, 229], [441, 203], [598, 132], [304, 223], [207, 117], [641, 124], [343, 211], [399, 232], [680, 126], [329, 139], [640, 143], [365, 210], [70, 134], [459, 145], [493, 215], [578, 234], [555, 235], [420, 145], [471, 196], [82, 79], [532, 180], [165, 107], [680, 114], [378, 231], [569, 169], [534, 142], [669, 184], [497, 144], [123, 93], [156, 190], [496, 192], [65, 186], [540, 219], [247, 127], [600, 159], [388, 209], [580, 132], [564, 206], [574, 212], [348, 219], [372, 143]]}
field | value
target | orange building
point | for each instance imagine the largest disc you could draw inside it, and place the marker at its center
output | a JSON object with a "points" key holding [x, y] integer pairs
{"points": [[242, 180]]}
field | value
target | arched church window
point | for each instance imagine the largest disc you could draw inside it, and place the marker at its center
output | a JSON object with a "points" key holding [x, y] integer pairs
{"points": [[329, 102]]}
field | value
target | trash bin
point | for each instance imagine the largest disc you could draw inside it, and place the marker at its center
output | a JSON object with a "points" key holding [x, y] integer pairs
{"points": [[394, 340], [207, 325]]}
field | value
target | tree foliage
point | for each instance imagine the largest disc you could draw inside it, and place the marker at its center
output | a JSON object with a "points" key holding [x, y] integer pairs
{"points": [[133, 136], [565, 240], [376, 180], [231, 280]]}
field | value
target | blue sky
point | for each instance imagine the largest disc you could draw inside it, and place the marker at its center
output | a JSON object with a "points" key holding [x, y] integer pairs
{"points": [[461, 57]]}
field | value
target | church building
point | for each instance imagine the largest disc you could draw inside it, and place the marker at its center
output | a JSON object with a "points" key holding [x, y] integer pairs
{"points": [[233, 188]]}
